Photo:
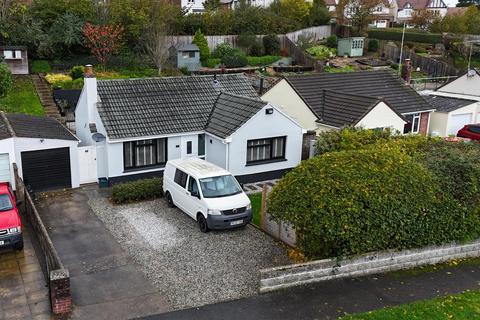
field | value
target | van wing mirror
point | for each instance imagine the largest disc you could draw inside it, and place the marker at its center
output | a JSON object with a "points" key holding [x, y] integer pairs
{"points": [[19, 202], [195, 194]]}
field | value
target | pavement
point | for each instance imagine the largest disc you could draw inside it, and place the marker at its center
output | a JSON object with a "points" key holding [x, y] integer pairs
{"points": [[105, 282], [23, 290], [332, 299]]}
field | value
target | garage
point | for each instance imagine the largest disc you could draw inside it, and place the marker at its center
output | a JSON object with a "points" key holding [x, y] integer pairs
{"points": [[457, 121], [47, 169], [4, 167]]}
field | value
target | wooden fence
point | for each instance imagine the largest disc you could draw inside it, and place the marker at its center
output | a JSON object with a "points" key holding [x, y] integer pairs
{"points": [[431, 66], [58, 275]]}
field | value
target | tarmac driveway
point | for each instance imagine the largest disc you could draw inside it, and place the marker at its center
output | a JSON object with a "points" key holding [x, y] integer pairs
{"points": [[189, 267]]}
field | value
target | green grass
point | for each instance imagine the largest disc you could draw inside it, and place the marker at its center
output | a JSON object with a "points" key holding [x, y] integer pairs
{"points": [[262, 61], [22, 98], [256, 200], [339, 70], [41, 66], [464, 306]]}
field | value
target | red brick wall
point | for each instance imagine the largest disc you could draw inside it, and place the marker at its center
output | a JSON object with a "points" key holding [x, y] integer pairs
{"points": [[60, 297], [424, 123]]}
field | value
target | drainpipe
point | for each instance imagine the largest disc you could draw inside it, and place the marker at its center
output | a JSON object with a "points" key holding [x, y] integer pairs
{"points": [[227, 156]]}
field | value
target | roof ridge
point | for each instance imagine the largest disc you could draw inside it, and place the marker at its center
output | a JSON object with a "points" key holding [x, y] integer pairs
{"points": [[211, 111], [8, 124], [241, 96], [171, 77]]}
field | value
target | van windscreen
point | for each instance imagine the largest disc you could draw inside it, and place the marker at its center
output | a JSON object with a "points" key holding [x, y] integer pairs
{"points": [[222, 186]]}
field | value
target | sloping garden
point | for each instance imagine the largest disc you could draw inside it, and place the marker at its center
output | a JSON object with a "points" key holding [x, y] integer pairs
{"points": [[368, 190]]}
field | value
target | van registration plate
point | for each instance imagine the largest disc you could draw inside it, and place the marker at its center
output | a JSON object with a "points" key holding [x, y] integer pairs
{"points": [[2, 243], [237, 222]]}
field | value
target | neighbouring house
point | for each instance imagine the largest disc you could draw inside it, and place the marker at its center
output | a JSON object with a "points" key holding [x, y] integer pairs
{"points": [[352, 47], [465, 86], [44, 151], [383, 15], [136, 125], [16, 58], [196, 6], [404, 8], [452, 114], [372, 99], [186, 56]]}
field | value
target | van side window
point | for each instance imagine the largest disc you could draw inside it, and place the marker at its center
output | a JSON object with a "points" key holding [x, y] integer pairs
{"points": [[192, 185], [180, 178]]}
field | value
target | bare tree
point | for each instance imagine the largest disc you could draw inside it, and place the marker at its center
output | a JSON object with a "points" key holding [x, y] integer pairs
{"points": [[357, 13]]}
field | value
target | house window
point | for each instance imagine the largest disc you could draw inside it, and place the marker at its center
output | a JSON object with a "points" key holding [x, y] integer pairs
{"points": [[180, 178], [188, 54], [12, 54], [189, 147], [413, 123], [379, 9], [144, 153], [266, 149], [201, 145]]}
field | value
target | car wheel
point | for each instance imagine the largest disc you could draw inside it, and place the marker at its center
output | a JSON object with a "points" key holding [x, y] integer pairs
{"points": [[19, 245], [202, 223], [169, 200]]}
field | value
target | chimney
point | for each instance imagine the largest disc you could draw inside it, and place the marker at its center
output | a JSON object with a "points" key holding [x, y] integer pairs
{"points": [[90, 90], [407, 71]]}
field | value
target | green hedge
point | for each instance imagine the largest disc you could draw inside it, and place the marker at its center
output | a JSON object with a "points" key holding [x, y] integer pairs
{"points": [[396, 35], [262, 61], [368, 191], [41, 66], [137, 190]]}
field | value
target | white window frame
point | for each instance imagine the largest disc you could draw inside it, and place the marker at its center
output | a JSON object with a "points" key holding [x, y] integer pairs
{"points": [[416, 117]]}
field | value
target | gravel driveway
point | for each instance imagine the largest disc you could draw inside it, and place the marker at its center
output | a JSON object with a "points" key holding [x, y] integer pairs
{"points": [[191, 268]]}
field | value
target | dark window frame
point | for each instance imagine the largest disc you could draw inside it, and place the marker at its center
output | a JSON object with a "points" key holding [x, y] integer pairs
{"points": [[270, 158], [154, 143], [189, 147]]}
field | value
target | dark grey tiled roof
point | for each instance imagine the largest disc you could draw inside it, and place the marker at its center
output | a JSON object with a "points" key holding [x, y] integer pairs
{"points": [[156, 106], [366, 83], [447, 104], [339, 109], [230, 112], [28, 126], [70, 96]]}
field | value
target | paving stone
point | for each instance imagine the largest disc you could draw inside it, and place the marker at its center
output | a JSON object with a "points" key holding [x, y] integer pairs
{"points": [[32, 276], [40, 307]]}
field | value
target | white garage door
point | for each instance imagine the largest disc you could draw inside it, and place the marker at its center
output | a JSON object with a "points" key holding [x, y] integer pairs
{"points": [[458, 121], [478, 118], [4, 168]]}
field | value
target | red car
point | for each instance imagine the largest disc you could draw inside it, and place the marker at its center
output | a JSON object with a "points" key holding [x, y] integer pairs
{"points": [[10, 223], [470, 131]]}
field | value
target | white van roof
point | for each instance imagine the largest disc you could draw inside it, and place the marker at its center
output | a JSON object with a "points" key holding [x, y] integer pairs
{"points": [[198, 168]]}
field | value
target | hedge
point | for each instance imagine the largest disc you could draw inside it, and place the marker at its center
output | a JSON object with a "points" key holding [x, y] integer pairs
{"points": [[262, 61], [145, 189], [395, 35]]}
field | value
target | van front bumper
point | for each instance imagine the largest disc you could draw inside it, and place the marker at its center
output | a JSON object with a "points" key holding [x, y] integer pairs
{"points": [[223, 221], [10, 240]]}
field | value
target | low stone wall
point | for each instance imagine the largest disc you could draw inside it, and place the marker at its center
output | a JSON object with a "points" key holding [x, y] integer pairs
{"points": [[58, 276], [371, 263]]}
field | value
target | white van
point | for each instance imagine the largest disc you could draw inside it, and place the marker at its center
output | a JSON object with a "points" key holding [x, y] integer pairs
{"points": [[207, 193]]}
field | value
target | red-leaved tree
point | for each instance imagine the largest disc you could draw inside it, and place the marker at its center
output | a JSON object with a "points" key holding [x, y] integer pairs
{"points": [[102, 40]]}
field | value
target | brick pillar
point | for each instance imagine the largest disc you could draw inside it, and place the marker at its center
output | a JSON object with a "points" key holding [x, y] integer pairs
{"points": [[60, 297], [424, 123]]}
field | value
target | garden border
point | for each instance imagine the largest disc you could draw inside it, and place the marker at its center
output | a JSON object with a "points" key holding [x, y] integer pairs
{"points": [[272, 279]]}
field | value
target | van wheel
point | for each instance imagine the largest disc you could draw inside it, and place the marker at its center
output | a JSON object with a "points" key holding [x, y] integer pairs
{"points": [[169, 200], [202, 223]]}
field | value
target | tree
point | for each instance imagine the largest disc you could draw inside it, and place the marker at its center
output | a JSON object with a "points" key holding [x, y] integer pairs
{"points": [[211, 5], [423, 18], [5, 79], [157, 38], [357, 13], [102, 40], [468, 3], [202, 43], [66, 31], [295, 11], [318, 14]]}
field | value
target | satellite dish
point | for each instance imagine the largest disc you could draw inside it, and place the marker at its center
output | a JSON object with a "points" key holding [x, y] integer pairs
{"points": [[471, 73], [98, 137]]}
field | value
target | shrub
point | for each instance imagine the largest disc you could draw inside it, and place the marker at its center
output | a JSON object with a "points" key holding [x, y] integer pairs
{"points": [[137, 190], [213, 62], [41, 66], [77, 72], [322, 52], [256, 49], [262, 61], [200, 40], [420, 49], [246, 40], [356, 201], [396, 35], [6, 81], [222, 50], [57, 79], [271, 44], [332, 41], [373, 45], [236, 60]]}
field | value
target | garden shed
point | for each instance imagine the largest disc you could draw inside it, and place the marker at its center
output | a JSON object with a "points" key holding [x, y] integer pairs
{"points": [[187, 56], [16, 58], [352, 47]]}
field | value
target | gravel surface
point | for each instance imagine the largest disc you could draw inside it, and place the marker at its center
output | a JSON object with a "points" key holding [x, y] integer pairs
{"points": [[191, 268]]}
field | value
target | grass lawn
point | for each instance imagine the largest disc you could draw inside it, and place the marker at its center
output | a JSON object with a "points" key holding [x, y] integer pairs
{"points": [[256, 200], [464, 306], [22, 98]]}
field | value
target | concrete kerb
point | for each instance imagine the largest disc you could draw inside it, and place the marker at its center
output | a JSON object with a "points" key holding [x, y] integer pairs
{"points": [[371, 263]]}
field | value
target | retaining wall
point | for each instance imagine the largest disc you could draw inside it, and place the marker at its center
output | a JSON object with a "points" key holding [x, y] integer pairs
{"points": [[378, 262]]}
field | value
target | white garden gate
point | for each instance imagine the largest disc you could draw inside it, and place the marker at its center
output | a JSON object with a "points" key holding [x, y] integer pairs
{"points": [[87, 159]]}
